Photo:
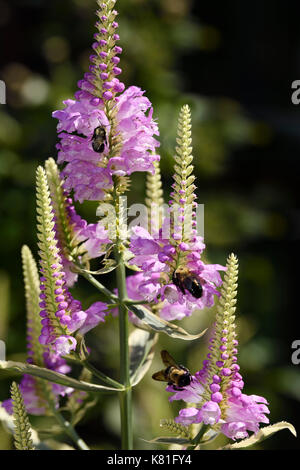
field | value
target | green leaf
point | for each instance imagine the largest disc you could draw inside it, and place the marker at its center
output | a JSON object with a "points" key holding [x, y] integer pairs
{"points": [[141, 347], [209, 436], [169, 440], [127, 256], [133, 267], [263, 434], [55, 377], [110, 265], [162, 326]]}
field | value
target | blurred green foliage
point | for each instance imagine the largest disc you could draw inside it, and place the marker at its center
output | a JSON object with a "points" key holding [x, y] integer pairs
{"points": [[48, 45]]}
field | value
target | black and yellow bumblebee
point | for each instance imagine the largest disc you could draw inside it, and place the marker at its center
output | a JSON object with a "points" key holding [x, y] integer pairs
{"points": [[187, 281], [176, 375], [99, 139]]}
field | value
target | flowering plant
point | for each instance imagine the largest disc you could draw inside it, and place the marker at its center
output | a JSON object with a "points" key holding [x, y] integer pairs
{"points": [[106, 133]]}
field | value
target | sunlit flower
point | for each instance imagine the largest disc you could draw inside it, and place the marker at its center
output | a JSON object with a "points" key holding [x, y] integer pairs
{"points": [[171, 258], [126, 123], [61, 314], [32, 388], [216, 389], [156, 257]]}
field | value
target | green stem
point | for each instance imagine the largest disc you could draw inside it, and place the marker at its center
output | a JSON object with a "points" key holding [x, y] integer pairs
{"points": [[126, 396], [197, 439], [100, 286], [70, 431], [135, 302], [110, 295], [67, 426], [201, 433]]}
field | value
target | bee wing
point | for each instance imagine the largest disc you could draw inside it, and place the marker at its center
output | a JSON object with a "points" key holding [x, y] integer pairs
{"points": [[168, 359], [160, 376]]}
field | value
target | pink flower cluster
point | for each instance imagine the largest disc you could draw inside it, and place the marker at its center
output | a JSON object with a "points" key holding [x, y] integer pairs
{"points": [[220, 399], [154, 257], [168, 311], [243, 412], [85, 172]]}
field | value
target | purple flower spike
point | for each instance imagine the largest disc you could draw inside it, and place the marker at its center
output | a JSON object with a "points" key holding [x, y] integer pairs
{"points": [[136, 126], [218, 392], [38, 354], [106, 38], [170, 257], [64, 315]]}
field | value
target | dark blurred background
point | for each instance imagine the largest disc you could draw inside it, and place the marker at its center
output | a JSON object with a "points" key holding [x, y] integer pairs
{"points": [[233, 62]]}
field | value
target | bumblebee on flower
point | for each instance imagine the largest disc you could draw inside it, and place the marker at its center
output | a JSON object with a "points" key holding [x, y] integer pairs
{"points": [[102, 107], [173, 271], [216, 389]]}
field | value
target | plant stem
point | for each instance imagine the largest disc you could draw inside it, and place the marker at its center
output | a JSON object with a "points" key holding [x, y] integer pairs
{"points": [[70, 431], [126, 395], [100, 286], [110, 295], [197, 438], [135, 302], [201, 433]]}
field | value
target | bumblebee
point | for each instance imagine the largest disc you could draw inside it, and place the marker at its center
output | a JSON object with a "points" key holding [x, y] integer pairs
{"points": [[178, 376], [99, 139], [186, 280]]}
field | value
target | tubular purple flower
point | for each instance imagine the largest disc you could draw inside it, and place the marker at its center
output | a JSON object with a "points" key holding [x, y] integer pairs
{"points": [[138, 290]]}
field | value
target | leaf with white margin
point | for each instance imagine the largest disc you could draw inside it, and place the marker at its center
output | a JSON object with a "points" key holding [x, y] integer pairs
{"points": [[141, 347], [109, 266], [169, 440], [262, 434], [55, 377], [162, 326]]}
